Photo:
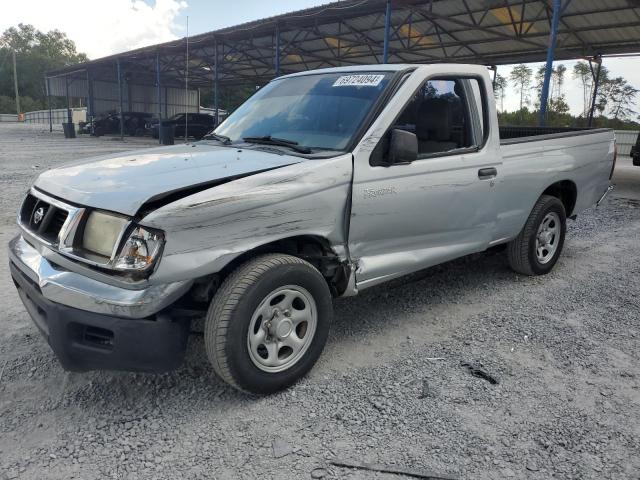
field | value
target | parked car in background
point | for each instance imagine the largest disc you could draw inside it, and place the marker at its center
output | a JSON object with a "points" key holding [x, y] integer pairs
{"points": [[197, 125], [635, 152], [134, 124], [321, 185]]}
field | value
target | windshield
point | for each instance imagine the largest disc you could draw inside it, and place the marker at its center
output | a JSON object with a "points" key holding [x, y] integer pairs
{"points": [[322, 111]]}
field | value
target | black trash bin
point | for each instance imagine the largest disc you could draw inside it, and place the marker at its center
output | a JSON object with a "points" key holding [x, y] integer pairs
{"points": [[167, 134], [69, 130]]}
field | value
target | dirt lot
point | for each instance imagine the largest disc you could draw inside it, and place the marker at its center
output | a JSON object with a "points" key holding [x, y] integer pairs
{"points": [[389, 388]]}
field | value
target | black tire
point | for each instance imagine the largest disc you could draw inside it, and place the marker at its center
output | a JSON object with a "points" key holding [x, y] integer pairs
{"points": [[231, 310], [521, 251]]}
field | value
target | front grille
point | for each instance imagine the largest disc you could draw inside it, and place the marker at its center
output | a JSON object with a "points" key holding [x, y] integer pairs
{"points": [[58, 217], [42, 218], [28, 207]]}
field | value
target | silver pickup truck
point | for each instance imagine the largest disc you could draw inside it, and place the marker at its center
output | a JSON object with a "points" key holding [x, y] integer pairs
{"points": [[322, 184]]}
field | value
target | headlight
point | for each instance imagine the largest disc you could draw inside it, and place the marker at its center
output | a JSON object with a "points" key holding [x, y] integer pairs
{"points": [[140, 250], [101, 233]]}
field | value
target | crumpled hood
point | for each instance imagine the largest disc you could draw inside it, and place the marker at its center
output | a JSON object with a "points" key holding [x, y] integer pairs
{"points": [[123, 182]]}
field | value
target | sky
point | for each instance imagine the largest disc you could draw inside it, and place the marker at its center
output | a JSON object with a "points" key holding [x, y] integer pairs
{"points": [[104, 27]]}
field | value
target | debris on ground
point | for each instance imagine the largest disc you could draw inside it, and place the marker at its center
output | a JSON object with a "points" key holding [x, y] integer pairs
{"points": [[426, 391], [407, 472], [281, 448], [319, 473], [3, 367], [477, 371]]}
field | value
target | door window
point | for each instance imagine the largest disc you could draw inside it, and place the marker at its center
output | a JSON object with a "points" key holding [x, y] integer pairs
{"points": [[445, 115]]}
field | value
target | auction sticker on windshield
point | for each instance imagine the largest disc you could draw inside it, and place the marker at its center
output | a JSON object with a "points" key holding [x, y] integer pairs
{"points": [[358, 81]]}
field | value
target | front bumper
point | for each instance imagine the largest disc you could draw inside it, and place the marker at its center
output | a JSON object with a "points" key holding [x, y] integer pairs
{"points": [[60, 285], [88, 340]]}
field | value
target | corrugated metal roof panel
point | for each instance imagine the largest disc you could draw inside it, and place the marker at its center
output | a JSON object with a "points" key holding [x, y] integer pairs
{"points": [[352, 32]]}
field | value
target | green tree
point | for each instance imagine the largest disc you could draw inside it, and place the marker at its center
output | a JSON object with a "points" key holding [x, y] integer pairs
{"points": [[500, 89], [616, 98], [558, 80], [555, 87], [36, 53], [539, 78], [521, 78], [582, 71]]}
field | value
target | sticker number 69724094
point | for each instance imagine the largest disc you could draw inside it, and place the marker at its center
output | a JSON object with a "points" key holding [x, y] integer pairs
{"points": [[358, 81]]}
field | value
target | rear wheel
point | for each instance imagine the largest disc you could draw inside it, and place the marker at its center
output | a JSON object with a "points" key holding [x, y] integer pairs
{"points": [[268, 323], [536, 249]]}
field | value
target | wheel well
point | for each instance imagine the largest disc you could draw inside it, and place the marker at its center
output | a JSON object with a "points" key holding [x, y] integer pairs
{"points": [[567, 192], [314, 249]]}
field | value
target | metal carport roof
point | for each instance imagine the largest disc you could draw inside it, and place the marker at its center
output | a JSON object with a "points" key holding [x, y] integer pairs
{"points": [[490, 32]]}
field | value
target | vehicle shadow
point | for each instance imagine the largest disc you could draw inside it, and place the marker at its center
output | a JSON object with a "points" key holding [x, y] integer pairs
{"points": [[371, 312], [365, 315]]}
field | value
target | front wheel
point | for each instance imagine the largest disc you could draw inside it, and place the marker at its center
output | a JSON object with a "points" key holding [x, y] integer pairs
{"points": [[268, 323], [536, 249]]}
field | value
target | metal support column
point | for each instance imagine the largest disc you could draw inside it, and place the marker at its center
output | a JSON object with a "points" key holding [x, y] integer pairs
{"points": [[120, 98], [553, 36], [495, 75], [277, 55], [387, 33], [596, 83], [159, 92], [48, 87], [215, 82], [90, 103], [15, 83], [69, 114]]}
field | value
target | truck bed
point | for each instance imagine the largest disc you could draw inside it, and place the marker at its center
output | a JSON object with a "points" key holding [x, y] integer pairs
{"points": [[532, 162], [520, 134]]}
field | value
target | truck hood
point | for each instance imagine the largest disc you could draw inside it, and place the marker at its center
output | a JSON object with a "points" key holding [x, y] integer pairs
{"points": [[124, 182]]}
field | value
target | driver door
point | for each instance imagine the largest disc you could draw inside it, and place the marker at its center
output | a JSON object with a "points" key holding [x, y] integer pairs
{"points": [[406, 217]]}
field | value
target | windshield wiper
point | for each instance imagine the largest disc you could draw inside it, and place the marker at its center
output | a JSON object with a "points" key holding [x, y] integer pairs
{"points": [[216, 136], [280, 142]]}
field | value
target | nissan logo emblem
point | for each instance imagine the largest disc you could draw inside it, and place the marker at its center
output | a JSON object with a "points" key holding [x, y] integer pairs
{"points": [[38, 215]]}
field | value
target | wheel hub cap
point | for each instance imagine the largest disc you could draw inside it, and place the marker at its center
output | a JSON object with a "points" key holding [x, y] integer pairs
{"points": [[548, 237], [282, 328]]}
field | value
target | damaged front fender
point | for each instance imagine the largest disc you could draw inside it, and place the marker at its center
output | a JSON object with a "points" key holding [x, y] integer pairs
{"points": [[207, 230]]}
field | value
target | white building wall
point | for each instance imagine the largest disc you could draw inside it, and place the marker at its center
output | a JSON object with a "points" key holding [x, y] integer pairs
{"points": [[136, 98]]}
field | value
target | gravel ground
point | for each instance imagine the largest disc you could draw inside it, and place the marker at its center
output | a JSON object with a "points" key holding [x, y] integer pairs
{"points": [[389, 388]]}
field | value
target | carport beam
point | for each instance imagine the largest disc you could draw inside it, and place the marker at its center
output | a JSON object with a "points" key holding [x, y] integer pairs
{"points": [[159, 91], [387, 33], [596, 82], [495, 75], [553, 36], [277, 59], [120, 98], [69, 115], [48, 85], [90, 105]]}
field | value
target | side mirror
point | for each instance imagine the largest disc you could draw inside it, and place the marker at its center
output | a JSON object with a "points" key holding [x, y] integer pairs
{"points": [[403, 147]]}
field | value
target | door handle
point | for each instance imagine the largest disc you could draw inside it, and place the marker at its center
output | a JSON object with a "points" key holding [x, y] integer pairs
{"points": [[487, 173]]}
